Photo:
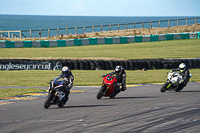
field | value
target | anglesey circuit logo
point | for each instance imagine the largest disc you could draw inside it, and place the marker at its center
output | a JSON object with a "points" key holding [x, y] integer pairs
{"points": [[58, 66]]}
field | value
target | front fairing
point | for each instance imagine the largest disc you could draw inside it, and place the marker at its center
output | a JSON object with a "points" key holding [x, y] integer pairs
{"points": [[109, 84], [174, 77]]}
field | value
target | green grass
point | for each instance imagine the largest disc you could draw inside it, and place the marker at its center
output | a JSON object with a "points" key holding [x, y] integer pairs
{"points": [[18, 91], [41, 78], [144, 50]]}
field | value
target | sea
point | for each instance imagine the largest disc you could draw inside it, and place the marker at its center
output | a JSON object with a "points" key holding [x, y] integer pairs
{"points": [[38, 22]]}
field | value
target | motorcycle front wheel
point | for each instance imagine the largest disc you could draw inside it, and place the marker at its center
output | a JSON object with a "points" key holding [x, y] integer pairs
{"points": [[47, 102], [164, 87], [100, 92]]}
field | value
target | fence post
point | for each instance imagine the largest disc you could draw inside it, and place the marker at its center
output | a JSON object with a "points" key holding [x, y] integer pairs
{"points": [[75, 30], [30, 34], [57, 31], [195, 20], [110, 27], [142, 25], [186, 21], [48, 33], [168, 23], [66, 31], [84, 29], [20, 34], [101, 28], [177, 23], [151, 24], [159, 24], [126, 26], [93, 29], [12, 35], [8, 34], [118, 27]]}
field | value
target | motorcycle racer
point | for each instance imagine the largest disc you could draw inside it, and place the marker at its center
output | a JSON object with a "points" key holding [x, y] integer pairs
{"points": [[121, 77], [68, 78], [184, 71]]}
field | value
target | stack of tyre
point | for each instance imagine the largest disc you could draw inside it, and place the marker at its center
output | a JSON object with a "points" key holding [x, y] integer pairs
{"points": [[135, 64]]}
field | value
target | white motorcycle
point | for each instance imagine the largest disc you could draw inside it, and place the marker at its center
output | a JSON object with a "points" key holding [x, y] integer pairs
{"points": [[173, 82]]}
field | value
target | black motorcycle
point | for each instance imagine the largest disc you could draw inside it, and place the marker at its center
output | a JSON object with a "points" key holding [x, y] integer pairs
{"points": [[57, 95]]}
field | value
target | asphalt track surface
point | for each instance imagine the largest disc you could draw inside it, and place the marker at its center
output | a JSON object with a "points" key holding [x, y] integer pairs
{"points": [[140, 109]]}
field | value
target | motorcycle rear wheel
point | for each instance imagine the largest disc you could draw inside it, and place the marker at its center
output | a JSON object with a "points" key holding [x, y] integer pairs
{"points": [[100, 92], [114, 94], [47, 102], [62, 102], [179, 88]]}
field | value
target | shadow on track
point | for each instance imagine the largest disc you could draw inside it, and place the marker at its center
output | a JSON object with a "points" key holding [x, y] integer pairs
{"points": [[134, 97], [189, 91], [82, 106]]}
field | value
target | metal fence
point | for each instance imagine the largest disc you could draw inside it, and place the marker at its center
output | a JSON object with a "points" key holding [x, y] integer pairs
{"points": [[98, 28]]}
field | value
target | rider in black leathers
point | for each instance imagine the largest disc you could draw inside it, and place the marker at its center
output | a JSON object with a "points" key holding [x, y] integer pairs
{"points": [[68, 80], [121, 77], [184, 71]]}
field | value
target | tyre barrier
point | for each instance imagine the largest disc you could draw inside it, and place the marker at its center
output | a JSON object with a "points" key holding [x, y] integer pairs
{"points": [[132, 64]]}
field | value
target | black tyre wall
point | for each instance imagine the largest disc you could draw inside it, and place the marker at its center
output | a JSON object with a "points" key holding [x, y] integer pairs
{"points": [[135, 64]]}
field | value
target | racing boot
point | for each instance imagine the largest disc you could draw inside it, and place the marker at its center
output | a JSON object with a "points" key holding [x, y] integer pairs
{"points": [[123, 88]]}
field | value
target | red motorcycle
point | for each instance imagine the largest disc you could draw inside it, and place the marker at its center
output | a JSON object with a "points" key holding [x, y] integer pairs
{"points": [[108, 87]]}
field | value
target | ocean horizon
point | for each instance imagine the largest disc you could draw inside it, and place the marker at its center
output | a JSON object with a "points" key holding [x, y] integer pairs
{"points": [[37, 22]]}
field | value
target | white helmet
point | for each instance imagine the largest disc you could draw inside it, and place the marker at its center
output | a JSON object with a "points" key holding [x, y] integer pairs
{"points": [[182, 67], [118, 69], [65, 71]]}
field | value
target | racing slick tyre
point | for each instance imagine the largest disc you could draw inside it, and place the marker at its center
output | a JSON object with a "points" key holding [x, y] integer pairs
{"points": [[179, 88], [62, 102], [47, 102], [100, 92], [164, 87], [113, 95]]}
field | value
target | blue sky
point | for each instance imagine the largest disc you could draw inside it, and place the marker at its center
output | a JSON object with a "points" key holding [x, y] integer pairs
{"points": [[101, 7]]}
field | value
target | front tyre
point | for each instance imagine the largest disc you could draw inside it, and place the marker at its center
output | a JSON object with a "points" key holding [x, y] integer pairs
{"points": [[47, 102], [164, 87], [100, 92]]}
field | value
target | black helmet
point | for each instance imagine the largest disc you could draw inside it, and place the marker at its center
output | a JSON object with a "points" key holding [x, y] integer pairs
{"points": [[118, 69]]}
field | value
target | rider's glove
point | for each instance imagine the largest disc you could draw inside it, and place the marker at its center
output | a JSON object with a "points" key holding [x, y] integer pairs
{"points": [[181, 81], [103, 75]]}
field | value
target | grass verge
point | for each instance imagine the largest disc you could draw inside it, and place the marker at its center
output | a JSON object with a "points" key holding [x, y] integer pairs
{"points": [[41, 78], [143, 50], [6, 92]]}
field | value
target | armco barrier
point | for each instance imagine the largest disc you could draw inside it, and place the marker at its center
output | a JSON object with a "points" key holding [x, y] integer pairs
{"points": [[102, 40], [136, 64]]}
